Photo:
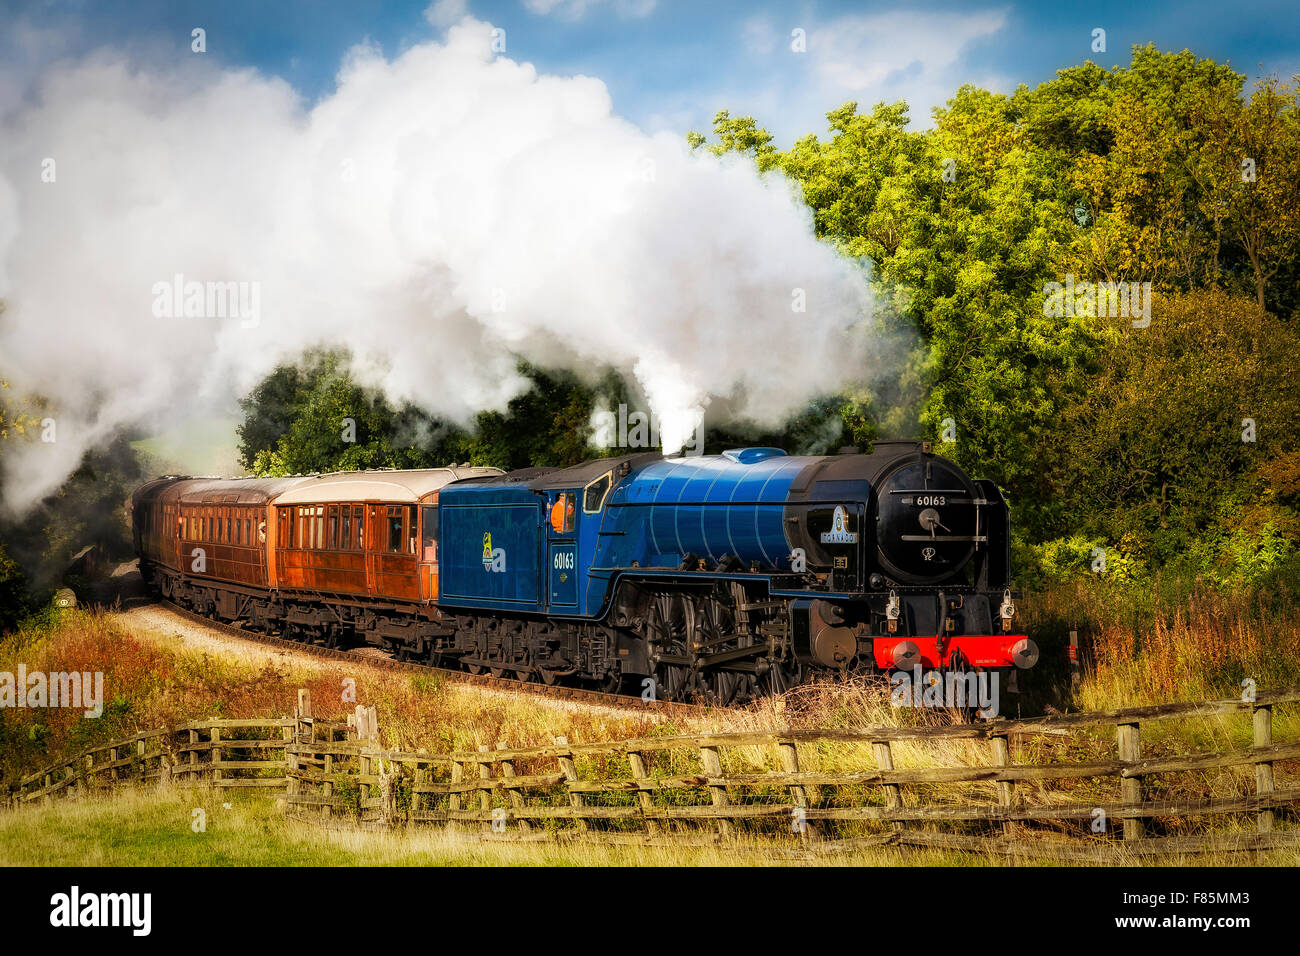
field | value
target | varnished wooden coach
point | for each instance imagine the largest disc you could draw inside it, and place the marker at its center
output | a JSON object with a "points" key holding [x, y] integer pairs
{"points": [[322, 557]]}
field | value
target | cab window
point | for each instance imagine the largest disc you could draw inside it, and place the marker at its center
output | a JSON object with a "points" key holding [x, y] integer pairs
{"points": [[593, 498], [562, 512]]}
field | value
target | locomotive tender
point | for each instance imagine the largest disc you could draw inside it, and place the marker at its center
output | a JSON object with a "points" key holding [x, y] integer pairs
{"points": [[719, 577]]}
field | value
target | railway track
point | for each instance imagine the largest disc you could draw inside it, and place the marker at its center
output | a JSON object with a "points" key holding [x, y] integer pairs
{"points": [[383, 661]]}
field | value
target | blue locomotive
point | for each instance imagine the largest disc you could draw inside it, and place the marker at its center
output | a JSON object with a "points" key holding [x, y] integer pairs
{"points": [[727, 576]]}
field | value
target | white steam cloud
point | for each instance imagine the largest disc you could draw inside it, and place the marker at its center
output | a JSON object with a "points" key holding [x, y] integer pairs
{"points": [[439, 214]]}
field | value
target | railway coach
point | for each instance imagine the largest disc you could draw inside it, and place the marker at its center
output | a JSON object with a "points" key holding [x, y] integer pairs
{"points": [[323, 558]]}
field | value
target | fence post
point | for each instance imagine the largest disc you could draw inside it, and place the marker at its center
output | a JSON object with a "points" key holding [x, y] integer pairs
{"points": [[112, 760], [644, 798], [514, 793], [1001, 747], [570, 771], [303, 714], [484, 794], [194, 758], [139, 752], [893, 792], [365, 767], [327, 787], [1263, 720], [423, 776], [216, 761], [165, 761], [1130, 788], [290, 763], [798, 794], [713, 768], [453, 796]]}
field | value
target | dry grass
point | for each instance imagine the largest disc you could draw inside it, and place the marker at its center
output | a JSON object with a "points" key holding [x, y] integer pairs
{"points": [[154, 678], [1169, 641]]}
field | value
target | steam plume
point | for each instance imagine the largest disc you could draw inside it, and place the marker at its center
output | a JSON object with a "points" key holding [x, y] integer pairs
{"points": [[439, 214]]}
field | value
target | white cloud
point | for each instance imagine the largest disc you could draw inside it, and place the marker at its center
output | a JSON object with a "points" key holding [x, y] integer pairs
{"points": [[910, 55], [577, 9], [443, 13], [758, 35]]}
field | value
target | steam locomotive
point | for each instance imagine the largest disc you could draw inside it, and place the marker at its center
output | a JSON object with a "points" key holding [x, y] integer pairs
{"points": [[715, 577]]}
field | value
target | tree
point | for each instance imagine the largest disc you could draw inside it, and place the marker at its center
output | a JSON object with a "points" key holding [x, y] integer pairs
{"points": [[1186, 435], [313, 417]]}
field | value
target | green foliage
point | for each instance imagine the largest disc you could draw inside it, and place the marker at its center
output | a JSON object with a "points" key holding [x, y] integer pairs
{"points": [[1074, 557], [1157, 449], [314, 417], [13, 591], [1097, 432]]}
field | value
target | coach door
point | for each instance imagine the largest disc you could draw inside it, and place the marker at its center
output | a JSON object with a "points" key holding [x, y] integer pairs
{"points": [[391, 545], [562, 550], [371, 533], [429, 550]]}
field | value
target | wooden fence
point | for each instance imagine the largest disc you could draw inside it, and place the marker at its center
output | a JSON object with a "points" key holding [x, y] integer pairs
{"points": [[1011, 787], [227, 754], [1068, 787]]}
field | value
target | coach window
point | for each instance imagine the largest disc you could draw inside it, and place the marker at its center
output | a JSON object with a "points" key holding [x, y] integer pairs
{"points": [[345, 528], [412, 533], [394, 516], [332, 533], [593, 498], [429, 541]]}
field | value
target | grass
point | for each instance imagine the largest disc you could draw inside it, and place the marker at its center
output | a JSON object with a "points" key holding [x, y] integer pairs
{"points": [[154, 679], [1167, 640], [154, 827]]}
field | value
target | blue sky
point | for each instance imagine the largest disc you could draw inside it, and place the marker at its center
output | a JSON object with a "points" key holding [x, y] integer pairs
{"points": [[671, 64]]}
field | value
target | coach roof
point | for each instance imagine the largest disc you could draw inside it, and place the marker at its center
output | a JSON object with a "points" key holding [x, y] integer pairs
{"points": [[219, 491], [404, 486]]}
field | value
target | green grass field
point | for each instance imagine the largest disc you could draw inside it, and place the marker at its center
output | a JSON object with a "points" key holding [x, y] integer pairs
{"points": [[155, 827]]}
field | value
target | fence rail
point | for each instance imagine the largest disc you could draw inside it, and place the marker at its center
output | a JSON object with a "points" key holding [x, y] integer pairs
{"points": [[228, 754], [1078, 786]]}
